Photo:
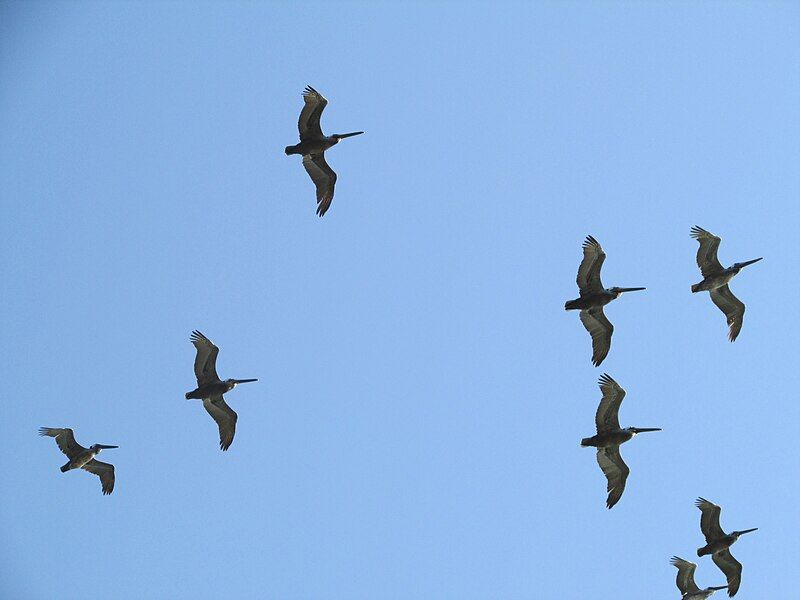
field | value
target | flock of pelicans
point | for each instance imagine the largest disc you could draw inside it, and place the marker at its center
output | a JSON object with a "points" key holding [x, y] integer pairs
{"points": [[593, 297]]}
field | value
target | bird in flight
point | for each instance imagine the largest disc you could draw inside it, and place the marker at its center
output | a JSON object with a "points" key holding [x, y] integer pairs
{"points": [[312, 146], [82, 458], [686, 584]]}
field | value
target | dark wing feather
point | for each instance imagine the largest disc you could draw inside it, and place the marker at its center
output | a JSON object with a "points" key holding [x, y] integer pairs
{"points": [[685, 579], [589, 272], [308, 124], [225, 418], [707, 252], [709, 520], [601, 329], [732, 569], [323, 177], [205, 363], [65, 440], [732, 307], [103, 470], [615, 470], [607, 416]]}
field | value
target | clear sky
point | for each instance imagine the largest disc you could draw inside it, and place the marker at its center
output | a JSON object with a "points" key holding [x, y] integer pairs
{"points": [[422, 392]]}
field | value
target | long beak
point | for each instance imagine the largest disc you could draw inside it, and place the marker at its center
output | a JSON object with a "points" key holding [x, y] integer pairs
{"points": [[750, 262], [104, 447], [346, 135], [631, 289], [646, 429], [748, 530], [719, 587], [244, 380]]}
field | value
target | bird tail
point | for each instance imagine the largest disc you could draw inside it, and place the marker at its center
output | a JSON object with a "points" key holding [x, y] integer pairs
{"points": [[571, 305], [65, 468], [703, 551], [291, 150], [586, 442], [695, 288]]}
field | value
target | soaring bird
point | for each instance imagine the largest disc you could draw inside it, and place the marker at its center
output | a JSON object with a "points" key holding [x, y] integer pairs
{"points": [[716, 278], [82, 458], [686, 584], [593, 298], [609, 437], [210, 388], [313, 144], [718, 543]]}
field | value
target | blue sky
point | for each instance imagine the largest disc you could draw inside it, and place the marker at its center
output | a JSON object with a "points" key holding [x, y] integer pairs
{"points": [[422, 393]]}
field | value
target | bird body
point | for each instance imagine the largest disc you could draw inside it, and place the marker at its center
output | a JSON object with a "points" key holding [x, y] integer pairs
{"points": [[210, 388], [593, 298], [312, 146], [609, 438], [686, 584], [716, 278], [718, 543], [82, 458]]}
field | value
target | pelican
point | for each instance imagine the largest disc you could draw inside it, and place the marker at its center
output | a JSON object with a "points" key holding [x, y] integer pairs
{"points": [[609, 437], [210, 388], [313, 144], [686, 584], [82, 458], [718, 543], [715, 279], [593, 298]]}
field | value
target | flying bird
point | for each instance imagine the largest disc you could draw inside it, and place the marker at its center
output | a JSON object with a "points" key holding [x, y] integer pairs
{"points": [[210, 388], [312, 146], [609, 437], [82, 458], [686, 584], [593, 298], [716, 278], [718, 543]]}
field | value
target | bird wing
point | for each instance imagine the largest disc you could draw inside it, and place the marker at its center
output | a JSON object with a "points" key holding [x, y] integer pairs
{"points": [[205, 363], [607, 416], [104, 471], [709, 520], [225, 418], [732, 307], [65, 440], [308, 124], [589, 272], [323, 177], [685, 579], [707, 252], [732, 569], [601, 329], [615, 470]]}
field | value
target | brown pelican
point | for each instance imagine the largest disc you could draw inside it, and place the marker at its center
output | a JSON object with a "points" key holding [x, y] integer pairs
{"points": [[716, 278], [82, 458], [609, 437], [686, 584], [313, 144], [210, 388], [718, 543], [593, 298]]}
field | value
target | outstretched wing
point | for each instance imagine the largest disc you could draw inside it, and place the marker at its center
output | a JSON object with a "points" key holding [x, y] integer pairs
{"points": [[65, 440], [615, 470], [601, 329], [225, 418], [709, 520], [607, 416], [104, 471], [685, 579], [308, 124], [707, 252], [323, 177], [205, 363], [732, 569], [732, 307], [589, 272]]}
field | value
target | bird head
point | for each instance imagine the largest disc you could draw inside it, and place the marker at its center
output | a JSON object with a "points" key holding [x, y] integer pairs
{"points": [[341, 136], [715, 588], [616, 291], [741, 265], [232, 383], [635, 430], [736, 534], [99, 447]]}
